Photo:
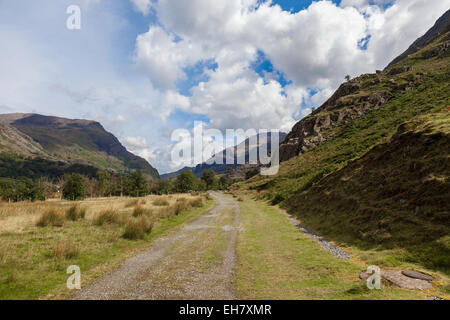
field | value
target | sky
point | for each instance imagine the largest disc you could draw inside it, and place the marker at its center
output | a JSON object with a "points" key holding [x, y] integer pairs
{"points": [[145, 68]]}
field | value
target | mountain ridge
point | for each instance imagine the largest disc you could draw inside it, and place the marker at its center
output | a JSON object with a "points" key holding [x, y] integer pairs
{"points": [[225, 167], [73, 141]]}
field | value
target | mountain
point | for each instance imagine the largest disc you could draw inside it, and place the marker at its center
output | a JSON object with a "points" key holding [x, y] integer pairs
{"points": [[441, 26], [227, 168], [358, 97], [64, 144], [370, 166]]}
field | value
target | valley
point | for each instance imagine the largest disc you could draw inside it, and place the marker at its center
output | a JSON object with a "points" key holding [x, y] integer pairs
{"points": [[363, 183]]}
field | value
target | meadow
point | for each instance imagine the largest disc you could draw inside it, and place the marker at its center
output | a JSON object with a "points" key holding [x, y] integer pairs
{"points": [[39, 240]]}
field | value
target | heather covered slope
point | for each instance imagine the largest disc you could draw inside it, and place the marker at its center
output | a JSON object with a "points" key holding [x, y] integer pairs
{"points": [[395, 196], [56, 140], [346, 129]]}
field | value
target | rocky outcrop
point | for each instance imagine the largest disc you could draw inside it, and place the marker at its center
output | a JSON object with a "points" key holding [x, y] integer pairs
{"points": [[395, 71], [437, 51], [347, 104]]}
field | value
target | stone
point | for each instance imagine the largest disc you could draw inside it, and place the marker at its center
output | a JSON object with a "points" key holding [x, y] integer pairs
{"points": [[399, 70], [397, 278], [417, 275], [364, 275]]}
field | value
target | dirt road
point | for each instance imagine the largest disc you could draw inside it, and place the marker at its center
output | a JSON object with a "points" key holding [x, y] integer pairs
{"points": [[194, 262]]}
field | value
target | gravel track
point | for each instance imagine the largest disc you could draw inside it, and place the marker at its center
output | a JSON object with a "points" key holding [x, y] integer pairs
{"points": [[195, 261]]}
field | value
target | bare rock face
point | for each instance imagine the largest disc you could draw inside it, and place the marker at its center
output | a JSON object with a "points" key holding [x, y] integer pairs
{"points": [[397, 278], [399, 70], [344, 90], [442, 48], [344, 106]]}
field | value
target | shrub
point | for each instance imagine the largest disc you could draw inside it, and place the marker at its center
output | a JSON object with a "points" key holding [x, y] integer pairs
{"points": [[75, 213], [160, 202], [141, 211], [278, 199], [208, 196], [108, 217], [65, 250], [137, 228], [179, 207], [196, 203], [51, 218], [146, 224]]}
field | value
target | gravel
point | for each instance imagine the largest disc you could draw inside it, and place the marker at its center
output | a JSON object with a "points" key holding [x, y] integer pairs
{"points": [[322, 241], [174, 266]]}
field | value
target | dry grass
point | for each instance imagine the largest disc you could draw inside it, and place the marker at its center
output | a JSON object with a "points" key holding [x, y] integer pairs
{"points": [[51, 218], [75, 213], [33, 259], [110, 216], [139, 211], [65, 250], [131, 203], [197, 202], [161, 202], [22, 217], [138, 228]]}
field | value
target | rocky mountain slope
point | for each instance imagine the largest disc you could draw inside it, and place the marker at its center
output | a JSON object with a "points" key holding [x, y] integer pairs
{"points": [[65, 143], [356, 98], [370, 166]]}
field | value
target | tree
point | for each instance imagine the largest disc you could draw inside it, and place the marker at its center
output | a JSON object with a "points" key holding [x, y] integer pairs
{"points": [[185, 182], [224, 182], [200, 185], [348, 78], [162, 186], [104, 186], [137, 184], [209, 176], [74, 187]]}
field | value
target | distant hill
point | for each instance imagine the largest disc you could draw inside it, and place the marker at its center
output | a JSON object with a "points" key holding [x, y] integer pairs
{"points": [[61, 144], [225, 168]]}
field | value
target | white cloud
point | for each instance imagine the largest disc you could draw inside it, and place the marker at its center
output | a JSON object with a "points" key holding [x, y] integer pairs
{"points": [[164, 58], [395, 29], [135, 142], [88, 73], [143, 6], [314, 48]]}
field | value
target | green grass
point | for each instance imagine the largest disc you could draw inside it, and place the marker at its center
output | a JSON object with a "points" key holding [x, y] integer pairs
{"points": [[29, 268], [276, 261], [358, 190]]}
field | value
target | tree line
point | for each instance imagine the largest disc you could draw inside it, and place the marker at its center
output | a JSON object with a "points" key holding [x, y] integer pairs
{"points": [[76, 186]]}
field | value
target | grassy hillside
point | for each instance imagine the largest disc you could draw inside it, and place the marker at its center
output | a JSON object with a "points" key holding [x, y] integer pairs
{"points": [[73, 142], [417, 86], [395, 196]]}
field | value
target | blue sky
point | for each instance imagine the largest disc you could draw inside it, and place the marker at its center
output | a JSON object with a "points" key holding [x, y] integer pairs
{"points": [[145, 68]]}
